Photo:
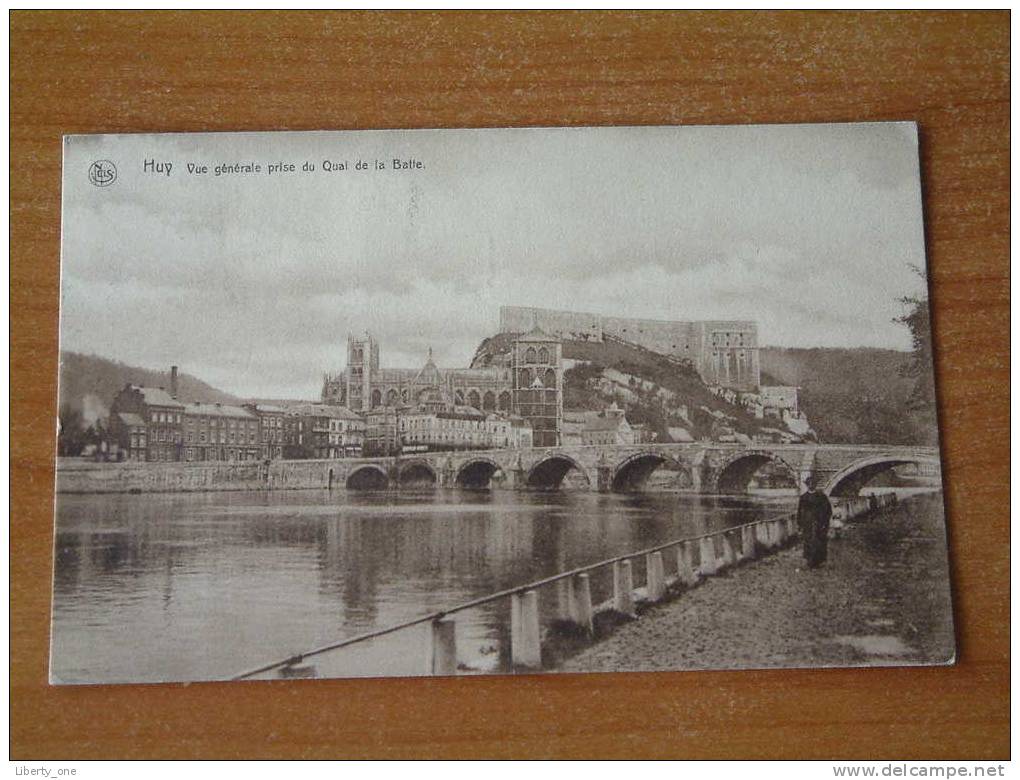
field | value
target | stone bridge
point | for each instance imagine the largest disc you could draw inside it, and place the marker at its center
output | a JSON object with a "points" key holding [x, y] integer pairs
{"points": [[700, 467]]}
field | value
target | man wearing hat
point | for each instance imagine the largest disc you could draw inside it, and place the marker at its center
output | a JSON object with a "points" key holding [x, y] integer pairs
{"points": [[813, 515]]}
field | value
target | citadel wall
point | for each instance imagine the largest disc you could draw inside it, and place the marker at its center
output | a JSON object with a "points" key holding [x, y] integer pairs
{"points": [[723, 351]]}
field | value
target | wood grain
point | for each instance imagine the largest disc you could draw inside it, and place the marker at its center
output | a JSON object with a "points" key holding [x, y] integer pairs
{"points": [[96, 72]]}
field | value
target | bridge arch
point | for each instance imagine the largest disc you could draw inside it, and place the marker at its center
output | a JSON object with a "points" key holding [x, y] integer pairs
{"points": [[418, 473], [848, 481], [632, 473], [736, 473], [548, 473], [368, 477], [477, 473]]}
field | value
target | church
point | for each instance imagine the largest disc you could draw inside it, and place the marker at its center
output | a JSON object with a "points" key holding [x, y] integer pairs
{"points": [[528, 383]]}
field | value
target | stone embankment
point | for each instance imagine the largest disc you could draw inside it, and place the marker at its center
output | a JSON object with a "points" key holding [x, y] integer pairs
{"points": [[80, 476]]}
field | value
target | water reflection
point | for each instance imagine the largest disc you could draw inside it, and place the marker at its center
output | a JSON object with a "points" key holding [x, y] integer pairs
{"points": [[205, 585]]}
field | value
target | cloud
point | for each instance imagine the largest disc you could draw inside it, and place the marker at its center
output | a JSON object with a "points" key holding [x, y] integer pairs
{"points": [[254, 282]]}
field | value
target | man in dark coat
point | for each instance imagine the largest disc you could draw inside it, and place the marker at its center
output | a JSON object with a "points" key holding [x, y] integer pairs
{"points": [[813, 515]]}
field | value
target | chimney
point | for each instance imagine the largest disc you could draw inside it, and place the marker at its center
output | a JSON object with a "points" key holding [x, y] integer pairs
{"points": [[173, 381]]}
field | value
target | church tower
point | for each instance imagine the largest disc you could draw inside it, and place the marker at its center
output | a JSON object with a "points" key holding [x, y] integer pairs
{"points": [[362, 363], [537, 364]]}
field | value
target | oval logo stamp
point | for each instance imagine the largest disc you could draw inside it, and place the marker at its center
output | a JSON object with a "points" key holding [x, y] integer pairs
{"points": [[102, 173]]}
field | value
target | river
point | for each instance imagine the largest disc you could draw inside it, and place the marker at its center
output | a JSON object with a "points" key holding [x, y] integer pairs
{"points": [[198, 586]]}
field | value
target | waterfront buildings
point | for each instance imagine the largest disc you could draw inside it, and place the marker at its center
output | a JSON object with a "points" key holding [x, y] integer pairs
{"points": [[146, 423], [323, 431], [458, 428], [220, 432], [272, 436]]}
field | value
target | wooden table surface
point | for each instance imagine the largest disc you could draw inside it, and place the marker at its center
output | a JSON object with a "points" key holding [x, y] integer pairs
{"points": [[130, 72]]}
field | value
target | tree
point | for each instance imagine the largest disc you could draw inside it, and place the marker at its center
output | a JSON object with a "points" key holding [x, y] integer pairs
{"points": [[71, 437], [920, 366]]}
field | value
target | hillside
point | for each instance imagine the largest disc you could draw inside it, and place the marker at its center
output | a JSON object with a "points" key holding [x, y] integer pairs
{"points": [[88, 383], [851, 395], [653, 389]]}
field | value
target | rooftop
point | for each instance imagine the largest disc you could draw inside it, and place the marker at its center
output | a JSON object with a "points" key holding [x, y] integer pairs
{"points": [[157, 396], [325, 410], [218, 410]]}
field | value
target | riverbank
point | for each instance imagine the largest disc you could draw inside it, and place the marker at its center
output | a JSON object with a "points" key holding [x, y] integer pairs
{"points": [[882, 599]]}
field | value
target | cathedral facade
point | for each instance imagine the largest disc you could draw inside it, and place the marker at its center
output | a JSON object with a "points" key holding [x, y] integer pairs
{"points": [[527, 383]]}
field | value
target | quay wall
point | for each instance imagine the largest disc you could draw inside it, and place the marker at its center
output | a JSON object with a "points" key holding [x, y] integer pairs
{"points": [[194, 477]]}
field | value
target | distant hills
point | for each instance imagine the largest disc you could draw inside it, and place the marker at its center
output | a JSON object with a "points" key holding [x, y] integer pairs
{"points": [[858, 396]]}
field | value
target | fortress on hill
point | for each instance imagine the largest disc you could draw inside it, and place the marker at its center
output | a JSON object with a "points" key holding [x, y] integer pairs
{"points": [[724, 352]]}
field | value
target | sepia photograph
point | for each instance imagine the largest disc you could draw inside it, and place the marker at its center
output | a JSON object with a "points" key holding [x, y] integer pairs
{"points": [[506, 401]]}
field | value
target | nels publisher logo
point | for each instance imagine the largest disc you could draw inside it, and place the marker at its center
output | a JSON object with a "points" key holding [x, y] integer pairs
{"points": [[102, 173]]}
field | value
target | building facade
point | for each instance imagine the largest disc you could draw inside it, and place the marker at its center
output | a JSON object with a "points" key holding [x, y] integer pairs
{"points": [[608, 427], [272, 435], [323, 431], [382, 434], [456, 428], [147, 423], [214, 432]]}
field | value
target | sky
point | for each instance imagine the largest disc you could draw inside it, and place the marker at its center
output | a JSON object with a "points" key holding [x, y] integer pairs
{"points": [[253, 281]]}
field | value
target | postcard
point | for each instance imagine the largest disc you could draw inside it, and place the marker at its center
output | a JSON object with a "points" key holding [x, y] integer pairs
{"points": [[503, 401]]}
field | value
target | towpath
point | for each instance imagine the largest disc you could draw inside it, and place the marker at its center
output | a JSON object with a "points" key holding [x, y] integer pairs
{"points": [[883, 598]]}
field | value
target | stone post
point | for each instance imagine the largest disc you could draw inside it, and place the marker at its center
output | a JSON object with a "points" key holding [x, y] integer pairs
{"points": [[656, 577], [685, 570], [728, 556], [709, 562], [442, 656], [582, 604], [525, 639], [623, 588], [566, 602], [780, 532], [747, 543]]}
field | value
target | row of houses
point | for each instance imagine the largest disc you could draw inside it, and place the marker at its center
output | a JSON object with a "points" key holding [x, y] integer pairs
{"points": [[152, 424], [391, 430]]}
